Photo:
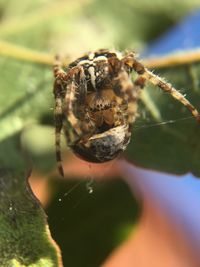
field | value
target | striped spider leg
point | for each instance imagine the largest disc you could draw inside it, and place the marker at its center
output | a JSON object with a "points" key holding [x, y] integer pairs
{"points": [[148, 76], [66, 86]]}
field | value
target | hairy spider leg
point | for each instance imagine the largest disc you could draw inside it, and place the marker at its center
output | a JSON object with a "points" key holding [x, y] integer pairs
{"points": [[157, 81], [76, 84], [129, 90], [138, 85], [167, 87], [57, 69], [58, 117], [64, 100], [60, 76]]}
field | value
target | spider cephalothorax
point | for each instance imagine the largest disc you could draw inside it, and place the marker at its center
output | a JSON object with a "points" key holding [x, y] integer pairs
{"points": [[96, 103]]}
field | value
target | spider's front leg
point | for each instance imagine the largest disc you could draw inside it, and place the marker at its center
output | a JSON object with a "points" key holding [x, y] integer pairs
{"points": [[167, 87], [147, 75]]}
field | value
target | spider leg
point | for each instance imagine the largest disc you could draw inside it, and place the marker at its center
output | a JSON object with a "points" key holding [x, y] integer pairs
{"points": [[167, 87], [124, 87], [130, 92], [131, 62], [76, 85], [61, 77], [58, 125], [69, 100], [139, 84], [57, 68]]}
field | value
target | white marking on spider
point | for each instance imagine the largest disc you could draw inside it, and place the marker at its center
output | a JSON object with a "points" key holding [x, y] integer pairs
{"points": [[91, 71], [119, 55], [100, 58], [91, 56]]}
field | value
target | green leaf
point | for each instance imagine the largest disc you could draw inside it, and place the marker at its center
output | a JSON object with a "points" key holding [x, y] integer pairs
{"points": [[24, 233]]}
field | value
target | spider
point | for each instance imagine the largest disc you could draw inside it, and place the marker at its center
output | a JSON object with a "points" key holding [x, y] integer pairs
{"points": [[96, 103]]}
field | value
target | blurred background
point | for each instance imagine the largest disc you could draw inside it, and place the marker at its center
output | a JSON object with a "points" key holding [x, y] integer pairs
{"points": [[101, 215]]}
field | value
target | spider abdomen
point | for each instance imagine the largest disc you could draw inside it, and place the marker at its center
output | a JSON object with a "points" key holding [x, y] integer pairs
{"points": [[104, 146]]}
